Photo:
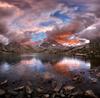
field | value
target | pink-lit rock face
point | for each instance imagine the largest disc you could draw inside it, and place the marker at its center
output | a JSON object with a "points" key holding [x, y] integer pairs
{"points": [[70, 40], [74, 42]]}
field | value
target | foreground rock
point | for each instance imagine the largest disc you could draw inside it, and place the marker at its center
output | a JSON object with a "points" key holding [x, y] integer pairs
{"points": [[76, 87], [2, 92], [90, 93]]}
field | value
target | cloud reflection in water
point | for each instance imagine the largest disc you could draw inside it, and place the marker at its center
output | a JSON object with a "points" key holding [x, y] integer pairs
{"points": [[71, 64], [28, 68]]}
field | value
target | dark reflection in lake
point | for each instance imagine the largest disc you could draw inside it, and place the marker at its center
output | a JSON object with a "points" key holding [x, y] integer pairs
{"points": [[42, 70], [38, 68], [29, 66]]}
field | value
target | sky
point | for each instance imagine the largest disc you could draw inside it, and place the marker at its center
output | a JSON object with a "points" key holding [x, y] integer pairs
{"points": [[48, 17]]}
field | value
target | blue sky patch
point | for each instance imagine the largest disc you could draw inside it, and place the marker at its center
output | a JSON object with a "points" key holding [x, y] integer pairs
{"points": [[61, 16], [79, 8], [47, 23], [39, 36], [67, 2]]}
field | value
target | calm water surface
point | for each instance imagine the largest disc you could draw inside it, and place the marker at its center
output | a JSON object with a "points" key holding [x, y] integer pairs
{"points": [[32, 67]]}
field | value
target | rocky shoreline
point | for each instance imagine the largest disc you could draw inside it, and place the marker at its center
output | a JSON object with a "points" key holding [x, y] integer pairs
{"points": [[88, 50], [76, 87]]}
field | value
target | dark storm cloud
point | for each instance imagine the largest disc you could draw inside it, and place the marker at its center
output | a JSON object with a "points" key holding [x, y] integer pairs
{"points": [[4, 12], [3, 28], [35, 5], [72, 27], [9, 12], [19, 16], [86, 17], [3, 31]]}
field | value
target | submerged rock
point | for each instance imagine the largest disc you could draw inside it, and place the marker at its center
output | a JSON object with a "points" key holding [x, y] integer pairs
{"points": [[56, 89], [19, 88], [28, 89], [93, 80], [39, 90], [12, 92], [90, 93], [2, 92], [69, 88], [78, 78], [62, 95], [4, 82], [98, 75], [21, 95], [46, 96]]}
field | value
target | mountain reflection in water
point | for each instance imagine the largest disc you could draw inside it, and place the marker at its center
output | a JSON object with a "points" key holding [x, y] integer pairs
{"points": [[28, 67], [71, 64]]}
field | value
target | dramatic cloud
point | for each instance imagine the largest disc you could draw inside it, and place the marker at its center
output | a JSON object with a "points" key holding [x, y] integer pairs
{"points": [[91, 32], [47, 16]]}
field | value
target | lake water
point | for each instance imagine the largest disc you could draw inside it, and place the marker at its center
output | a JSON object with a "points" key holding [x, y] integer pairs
{"points": [[36, 66]]}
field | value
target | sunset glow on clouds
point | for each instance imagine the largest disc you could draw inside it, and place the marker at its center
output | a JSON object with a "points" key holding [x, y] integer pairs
{"points": [[19, 16]]}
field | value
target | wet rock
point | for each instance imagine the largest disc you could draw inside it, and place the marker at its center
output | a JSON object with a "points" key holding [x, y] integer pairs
{"points": [[21, 95], [78, 78], [53, 95], [77, 94], [98, 75], [62, 95], [48, 76], [92, 71], [90, 93], [56, 89], [2, 92], [19, 88], [69, 88], [29, 83], [29, 96], [7, 96], [93, 80], [28, 89], [46, 96], [39, 90], [12, 92], [54, 84], [75, 78], [56, 95], [4, 82]]}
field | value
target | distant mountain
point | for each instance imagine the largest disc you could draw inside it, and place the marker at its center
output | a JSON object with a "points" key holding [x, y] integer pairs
{"points": [[88, 50], [15, 47]]}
